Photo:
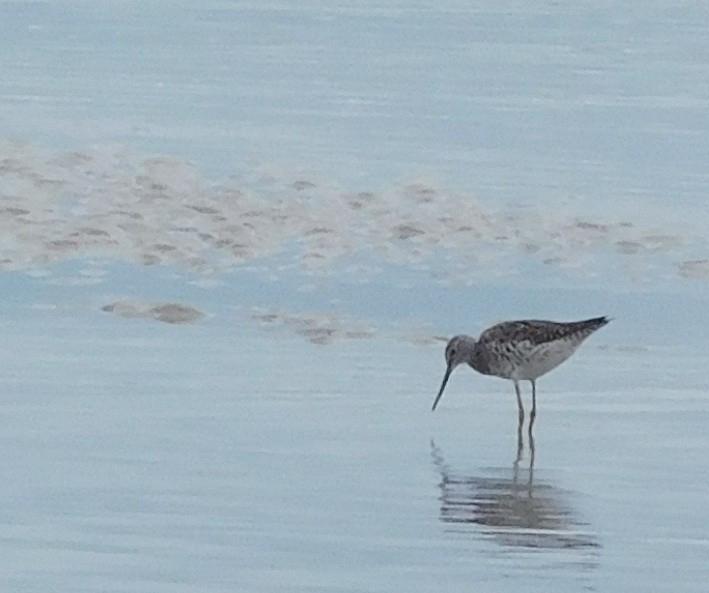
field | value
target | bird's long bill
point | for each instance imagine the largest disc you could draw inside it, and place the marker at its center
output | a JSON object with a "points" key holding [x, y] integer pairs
{"points": [[443, 385]]}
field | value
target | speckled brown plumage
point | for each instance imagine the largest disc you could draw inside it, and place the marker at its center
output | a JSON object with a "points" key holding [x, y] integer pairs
{"points": [[519, 350], [538, 332]]}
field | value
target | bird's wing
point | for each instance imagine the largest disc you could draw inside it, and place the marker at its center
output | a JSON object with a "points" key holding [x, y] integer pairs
{"points": [[536, 332]]}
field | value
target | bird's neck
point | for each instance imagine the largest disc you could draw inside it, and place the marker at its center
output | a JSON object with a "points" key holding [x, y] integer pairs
{"points": [[468, 346], [475, 356]]}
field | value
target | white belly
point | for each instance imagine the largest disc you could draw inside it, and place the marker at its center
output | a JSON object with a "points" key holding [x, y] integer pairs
{"points": [[534, 361]]}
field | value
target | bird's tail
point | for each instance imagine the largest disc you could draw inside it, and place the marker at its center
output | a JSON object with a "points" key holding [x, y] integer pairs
{"points": [[591, 325]]}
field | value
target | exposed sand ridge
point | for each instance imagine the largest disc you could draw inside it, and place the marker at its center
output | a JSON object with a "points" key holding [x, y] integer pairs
{"points": [[161, 210]]}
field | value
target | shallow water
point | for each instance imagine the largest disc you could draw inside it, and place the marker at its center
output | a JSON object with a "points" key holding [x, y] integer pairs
{"points": [[309, 198], [195, 459]]}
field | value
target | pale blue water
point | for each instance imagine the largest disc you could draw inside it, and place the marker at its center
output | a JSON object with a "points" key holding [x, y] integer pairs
{"points": [[203, 458], [329, 190]]}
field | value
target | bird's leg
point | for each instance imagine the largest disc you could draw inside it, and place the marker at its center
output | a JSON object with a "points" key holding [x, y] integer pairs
{"points": [[530, 484], [519, 403], [533, 413], [520, 443]]}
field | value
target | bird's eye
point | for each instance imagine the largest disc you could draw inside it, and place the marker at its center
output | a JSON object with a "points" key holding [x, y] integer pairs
{"points": [[452, 353]]}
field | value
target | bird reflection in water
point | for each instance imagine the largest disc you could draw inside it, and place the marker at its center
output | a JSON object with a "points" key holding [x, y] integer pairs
{"points": [[509, 506]]}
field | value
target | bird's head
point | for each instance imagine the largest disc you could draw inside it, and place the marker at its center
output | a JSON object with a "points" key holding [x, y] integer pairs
{"points": [[457, 351]]}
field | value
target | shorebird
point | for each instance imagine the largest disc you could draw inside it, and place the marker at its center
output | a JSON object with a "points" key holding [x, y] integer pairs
{"points": [[519, 351]]}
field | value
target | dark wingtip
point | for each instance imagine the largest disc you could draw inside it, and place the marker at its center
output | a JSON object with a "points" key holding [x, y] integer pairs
{"points": [[596, 322]]}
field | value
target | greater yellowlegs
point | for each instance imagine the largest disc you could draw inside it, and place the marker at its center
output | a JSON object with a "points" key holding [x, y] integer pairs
{"points": [[519, 351]]}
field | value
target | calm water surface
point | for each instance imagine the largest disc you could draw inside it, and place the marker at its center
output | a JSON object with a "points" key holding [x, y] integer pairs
{"points": [[395, 171], [201, 459]]}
